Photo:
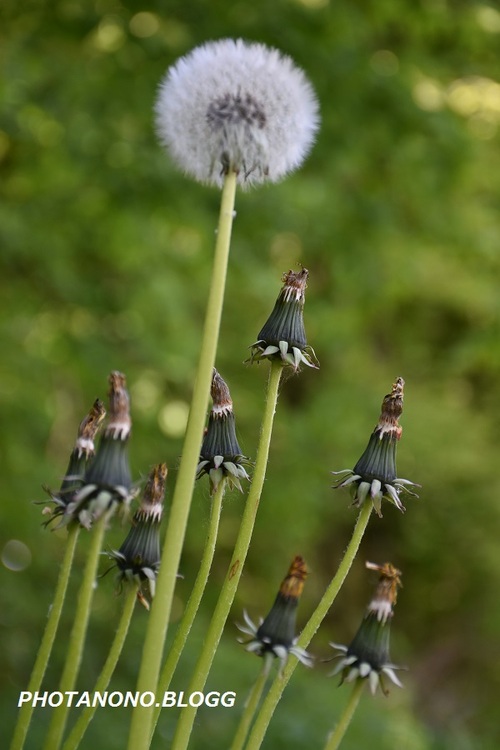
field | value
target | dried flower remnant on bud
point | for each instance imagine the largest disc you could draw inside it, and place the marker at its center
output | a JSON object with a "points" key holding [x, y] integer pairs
{"points": [[283, 335], [120, 423], [107, 482], [386, 593], [375, 473], [220, 454], [82, 453], [138, 558], [367, 657], [275, 635], [233, 106]]}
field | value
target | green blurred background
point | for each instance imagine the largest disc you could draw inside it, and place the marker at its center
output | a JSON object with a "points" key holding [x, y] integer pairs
{"points": [[106, 251]]}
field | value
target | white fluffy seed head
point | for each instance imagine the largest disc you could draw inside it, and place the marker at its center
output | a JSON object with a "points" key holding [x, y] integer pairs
{"points": [[231, 105]]}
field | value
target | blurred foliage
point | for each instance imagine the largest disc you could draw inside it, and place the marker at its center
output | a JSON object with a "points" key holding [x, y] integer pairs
{"points": [[106, 252]]}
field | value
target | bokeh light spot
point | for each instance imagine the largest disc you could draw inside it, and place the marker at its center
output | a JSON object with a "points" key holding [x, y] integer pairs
{"points": [[428, 95], [384, 62], [145, 393], [109, 36], [16, 555], [144, 24], [313, 4], [488, 19], [173, 418]]}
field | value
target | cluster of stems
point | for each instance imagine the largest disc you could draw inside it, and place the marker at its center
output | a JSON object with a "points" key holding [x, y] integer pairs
{"points": [[91, 496]]}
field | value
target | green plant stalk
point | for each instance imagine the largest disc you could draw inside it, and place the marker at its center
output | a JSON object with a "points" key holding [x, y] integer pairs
{"points": [[228, 591], [104, 678], [250, 707], [186, 623], [43, 655], [77, 636], [337, 735], [142, 717], [281, 681]]}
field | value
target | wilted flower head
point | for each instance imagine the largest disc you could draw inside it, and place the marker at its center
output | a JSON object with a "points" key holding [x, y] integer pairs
{"points": [[283, 335], [275, 635], [375, 473], [368, 654], [234, 106], [82, 453], [107, 481], [138, 559], [220, 454]]}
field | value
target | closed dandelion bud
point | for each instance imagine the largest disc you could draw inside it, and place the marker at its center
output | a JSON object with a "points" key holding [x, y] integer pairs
{"points": [[107, 482], [283, 335], [220, 454], [138, 558], [82, 453], [375, 473], [239, 107], [275, 636], [367, 657]]}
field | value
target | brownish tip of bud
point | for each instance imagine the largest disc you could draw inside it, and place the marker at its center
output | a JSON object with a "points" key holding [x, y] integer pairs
{"points": [[91, 423], [293, 584], [119, 406], [84, 444], [222, 402], [392, 408], [389, 581], [117, 380], [154, 493], [154, 490], [294, 285]]}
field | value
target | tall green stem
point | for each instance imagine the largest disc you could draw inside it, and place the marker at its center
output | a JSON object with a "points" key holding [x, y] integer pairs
{"points": [[42, 657], [194, 600], [142, 717], [104, 678], [230, 585], [337, 735], [77, 636], [251, 706], [276, 690]]}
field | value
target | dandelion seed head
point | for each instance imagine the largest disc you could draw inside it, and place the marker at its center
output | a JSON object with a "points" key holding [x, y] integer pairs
{"points": [[233, 105]]}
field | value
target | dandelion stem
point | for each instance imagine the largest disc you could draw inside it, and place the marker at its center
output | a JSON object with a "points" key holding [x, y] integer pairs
{"points": [[230, 585], [77, 636], [276, 690], [104, 678], [42, 657], [337, 735], [142, 717], [250, 708], [186, 623]]}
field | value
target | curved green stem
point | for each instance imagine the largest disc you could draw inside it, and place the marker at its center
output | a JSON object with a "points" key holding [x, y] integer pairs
{"points": [[142, 717], [104, 678], [230, 585], [251, 707], [194, 600], [337, 735], [276, 690], [77, 636], [42, 657]]}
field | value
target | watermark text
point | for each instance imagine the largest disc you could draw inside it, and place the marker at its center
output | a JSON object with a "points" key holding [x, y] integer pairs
{"points": [[119, 699]]}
